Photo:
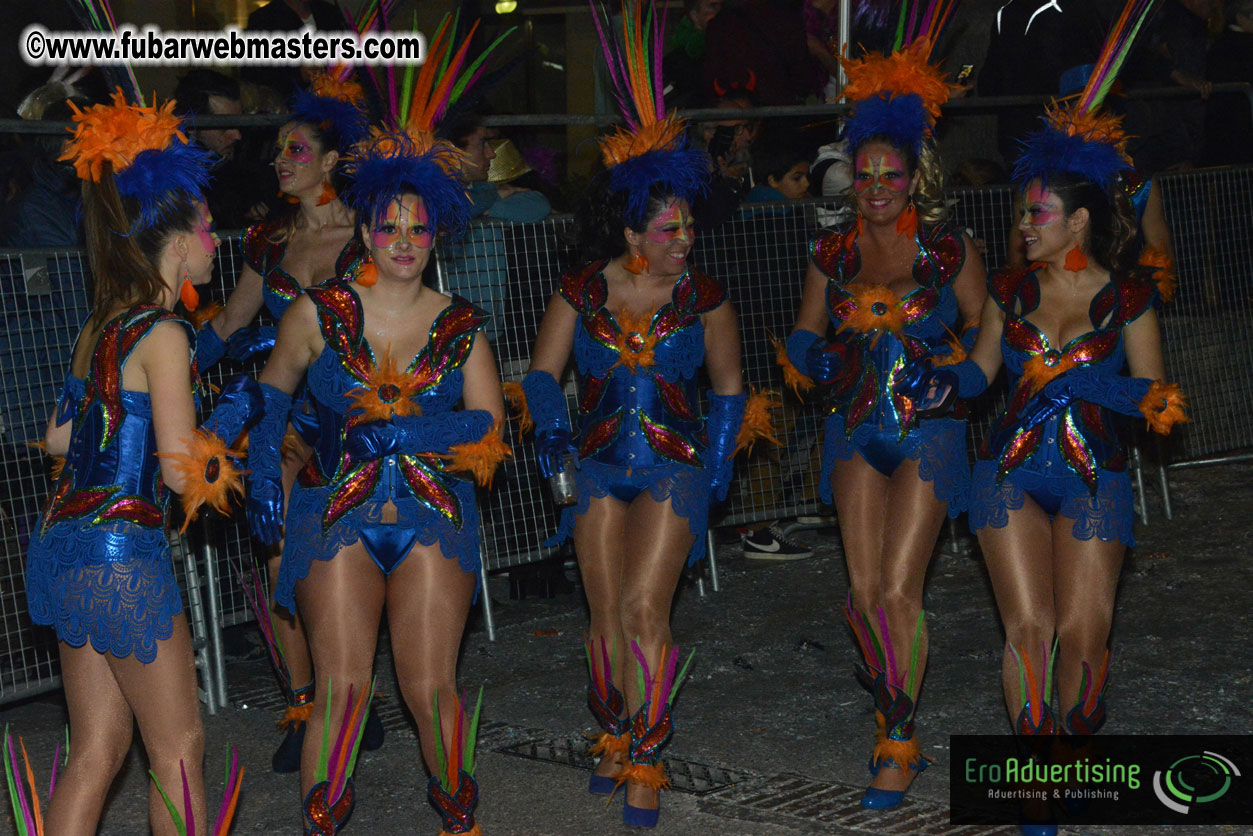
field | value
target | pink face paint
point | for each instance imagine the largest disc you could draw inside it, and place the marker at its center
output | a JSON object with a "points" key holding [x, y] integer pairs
{"points": [[205, 231], [295, 147], [1043, 207], [672, 223], [880, 171], [405, 221]]}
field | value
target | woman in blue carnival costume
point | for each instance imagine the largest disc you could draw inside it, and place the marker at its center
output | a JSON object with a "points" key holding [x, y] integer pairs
{"points": [[379, 517], [897, 284], [640, 323], [1051, 496], [310, 239], [99, 570]]}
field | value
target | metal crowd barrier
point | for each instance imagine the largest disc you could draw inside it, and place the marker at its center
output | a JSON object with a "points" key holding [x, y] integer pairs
{"points": [[512, 270]]}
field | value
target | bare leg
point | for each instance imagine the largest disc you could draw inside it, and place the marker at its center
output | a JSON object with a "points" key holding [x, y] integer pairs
{"points": [[1085, 580], [861, 498], [100, 724], [1020, 563], [599, 542], [653, 560], [342, 602], [428, 602]]}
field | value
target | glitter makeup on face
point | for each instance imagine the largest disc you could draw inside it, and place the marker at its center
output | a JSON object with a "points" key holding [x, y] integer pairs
{"points": [[880, 171], [295, 148], [1042, 207], [671, 223], [401, 223]]}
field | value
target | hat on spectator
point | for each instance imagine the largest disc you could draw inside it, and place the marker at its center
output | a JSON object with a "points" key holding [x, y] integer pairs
{"points": [[652, 147]]}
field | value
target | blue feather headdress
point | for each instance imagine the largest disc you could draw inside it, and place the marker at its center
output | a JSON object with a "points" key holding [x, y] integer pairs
{"points": [[899, 95], [339, 103], [390, 163], [1079, 138], [152, 162], [652, 148]]}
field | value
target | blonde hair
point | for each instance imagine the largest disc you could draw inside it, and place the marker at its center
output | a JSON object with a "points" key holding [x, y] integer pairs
{"points": [[928, 195]]}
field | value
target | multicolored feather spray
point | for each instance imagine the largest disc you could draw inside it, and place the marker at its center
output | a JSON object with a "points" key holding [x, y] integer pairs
{"points": [[185, 823]]}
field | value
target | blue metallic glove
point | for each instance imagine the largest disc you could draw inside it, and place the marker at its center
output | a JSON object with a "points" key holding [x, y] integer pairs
{"points": [[1112, 391], [814, 356], [726, 413], [239, 408], [416, 434], [248, 342], [209, 347], [265, 477], [547, 404], [304, 419]]}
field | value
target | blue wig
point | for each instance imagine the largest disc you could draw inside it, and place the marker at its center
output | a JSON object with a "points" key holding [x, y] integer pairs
{"points": [[346, 119], [902, 119], [684, 171], [155, 179], [1049, 151], [390, 164]]}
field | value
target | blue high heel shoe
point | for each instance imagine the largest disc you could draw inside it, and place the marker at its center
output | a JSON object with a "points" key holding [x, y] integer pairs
{"points": [[601, 784], [879, 799], [639, 817]]}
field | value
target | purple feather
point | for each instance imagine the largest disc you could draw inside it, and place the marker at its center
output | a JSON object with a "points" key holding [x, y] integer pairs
{"points": [[56, 762], [887, 647], [872, 13], [21, 789], [189, 817], [659, 48]]}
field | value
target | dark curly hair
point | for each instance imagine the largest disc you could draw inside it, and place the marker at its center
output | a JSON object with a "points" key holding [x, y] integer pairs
{"points": [[1110, 224], [601, 218]]}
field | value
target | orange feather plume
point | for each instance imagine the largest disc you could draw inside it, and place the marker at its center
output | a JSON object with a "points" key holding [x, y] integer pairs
{"points": [[116, 133], [296, 715], [1094, 126], [874, 308], [758, 422], [480, 458], [622, 145], [635, 344], [901, 73], [793, 378], [326, 85], [209, 475], [1163, 267], [388, 392], [1163, 407], [901, 752], [652, 776], [199, 317], [515, 396]]}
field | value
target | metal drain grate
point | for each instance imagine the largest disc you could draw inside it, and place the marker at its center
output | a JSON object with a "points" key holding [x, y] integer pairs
{"points": [[788, 800], [685, 776]]}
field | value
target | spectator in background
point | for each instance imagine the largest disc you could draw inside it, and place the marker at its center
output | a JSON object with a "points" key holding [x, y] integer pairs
{"points": [[685, 49], [1033, 43], [764, 39], [727, 142], [45, 213], [822, 36], [238, 192], [290, 16], [1229, 122], [780, 169]]}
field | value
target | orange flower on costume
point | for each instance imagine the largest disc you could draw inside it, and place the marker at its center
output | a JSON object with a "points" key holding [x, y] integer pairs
{"points": [[1163, 407], [1163, 270], [872, 308], [635, 345], [480, 458], [793, 378], [117, 133], [901, 73], [515, 396], [758, 423], [209, 475], [387, 392], [1037, 372]]}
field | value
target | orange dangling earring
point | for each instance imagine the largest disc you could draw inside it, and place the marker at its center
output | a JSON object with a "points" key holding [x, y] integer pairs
{"points": [[289, 198], [187, 293], [861, 226], [636, 264], [907, 220], [328, 193], [367, 273], [1075, 260]]}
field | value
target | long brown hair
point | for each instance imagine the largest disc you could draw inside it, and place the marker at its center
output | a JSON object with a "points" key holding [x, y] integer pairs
{"points": [[124, 259]]}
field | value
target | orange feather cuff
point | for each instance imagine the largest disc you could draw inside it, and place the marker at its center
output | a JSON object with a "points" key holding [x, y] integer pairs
{"points": [[480, 458], [793, 378], [209, 475], [515, 396], [1163, 267], [1163, 407], [608, 745], [295, 715], [758, 423], [652, 776]]}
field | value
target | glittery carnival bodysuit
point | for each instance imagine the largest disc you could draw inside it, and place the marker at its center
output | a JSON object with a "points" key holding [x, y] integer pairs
{"points": [[278, 287], [877, 334], [337, 501], [99, 569], [1073, 464], [638, 425]]}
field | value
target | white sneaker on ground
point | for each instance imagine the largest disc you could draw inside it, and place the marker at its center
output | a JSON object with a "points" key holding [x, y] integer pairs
{"points": [[770, 544]]}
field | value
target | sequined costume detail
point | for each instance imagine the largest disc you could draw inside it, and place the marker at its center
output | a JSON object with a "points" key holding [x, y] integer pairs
{"points": [[1075, 463], [278, 287], [880, 334], [337, 501], [99, 569], [641, 413]]}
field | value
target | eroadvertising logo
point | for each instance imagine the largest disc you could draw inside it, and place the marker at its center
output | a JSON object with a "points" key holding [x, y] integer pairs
{"points": [[1107, 779]]}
